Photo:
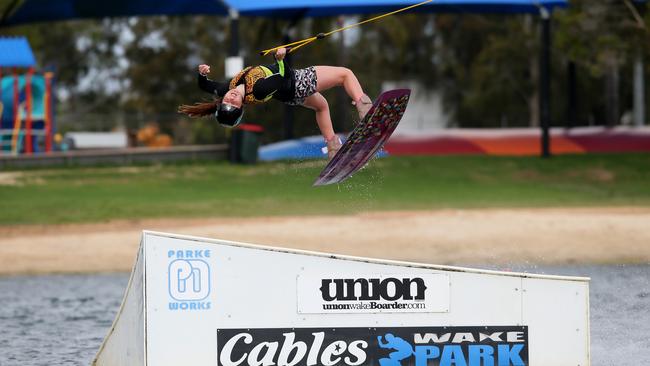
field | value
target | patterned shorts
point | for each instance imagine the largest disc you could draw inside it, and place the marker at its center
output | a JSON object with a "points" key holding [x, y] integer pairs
{"points": [[305, 85]]}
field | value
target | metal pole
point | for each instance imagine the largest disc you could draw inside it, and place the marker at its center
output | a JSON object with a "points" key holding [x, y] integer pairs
{"points": [[29, 148], [639, 77], [48, 111], [545, 81], [2, 107], [234, 33], [289, 116], [16, 106], [235, 136]]}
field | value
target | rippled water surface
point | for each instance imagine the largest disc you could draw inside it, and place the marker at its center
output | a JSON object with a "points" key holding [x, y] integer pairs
{"points": [[61, 320]]}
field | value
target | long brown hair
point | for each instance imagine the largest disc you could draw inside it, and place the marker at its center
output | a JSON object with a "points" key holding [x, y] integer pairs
{"points": [[200, 109]]}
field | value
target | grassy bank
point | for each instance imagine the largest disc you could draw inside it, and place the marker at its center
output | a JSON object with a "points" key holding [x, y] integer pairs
{"points": [[395, 183]]}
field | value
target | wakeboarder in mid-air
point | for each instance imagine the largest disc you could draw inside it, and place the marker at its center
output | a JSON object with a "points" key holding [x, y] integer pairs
{"points": [[259, 84]]}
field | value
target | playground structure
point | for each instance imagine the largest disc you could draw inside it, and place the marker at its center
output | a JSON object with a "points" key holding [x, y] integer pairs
{"points": [[197, 301], [26, 113]]}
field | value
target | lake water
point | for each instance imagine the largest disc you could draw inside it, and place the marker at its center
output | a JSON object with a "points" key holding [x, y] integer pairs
{"points": [[62, 320]]}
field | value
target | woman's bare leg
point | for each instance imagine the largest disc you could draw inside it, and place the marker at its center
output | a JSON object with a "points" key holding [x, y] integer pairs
{"points": [[331, 76], [318, 103]]}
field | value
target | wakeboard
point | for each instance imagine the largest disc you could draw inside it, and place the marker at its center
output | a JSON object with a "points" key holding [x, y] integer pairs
{"points": [[367, 138]]}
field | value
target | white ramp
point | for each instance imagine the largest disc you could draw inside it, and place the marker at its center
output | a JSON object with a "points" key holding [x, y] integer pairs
{"points": [[200, 302]]}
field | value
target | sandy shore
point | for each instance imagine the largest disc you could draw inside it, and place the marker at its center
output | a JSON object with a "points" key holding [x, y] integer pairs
{"points": [[494, 237]]}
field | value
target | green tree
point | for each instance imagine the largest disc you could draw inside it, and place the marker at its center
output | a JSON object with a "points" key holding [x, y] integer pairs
{"points": [[603, 38]]}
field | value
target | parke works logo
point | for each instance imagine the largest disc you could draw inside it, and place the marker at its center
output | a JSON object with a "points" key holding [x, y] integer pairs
{"points": [[430, 346], [382, 293], [189, 280]]}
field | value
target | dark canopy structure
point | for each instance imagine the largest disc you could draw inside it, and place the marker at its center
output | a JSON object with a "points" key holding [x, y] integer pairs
{"points": [[28, 11], [317, 8]]}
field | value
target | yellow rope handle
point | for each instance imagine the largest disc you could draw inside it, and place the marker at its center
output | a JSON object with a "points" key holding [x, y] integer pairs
{"points": [[296, 45]]}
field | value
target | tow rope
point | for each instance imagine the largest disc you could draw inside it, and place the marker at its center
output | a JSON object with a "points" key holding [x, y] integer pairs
{"points": [[296, 45]]}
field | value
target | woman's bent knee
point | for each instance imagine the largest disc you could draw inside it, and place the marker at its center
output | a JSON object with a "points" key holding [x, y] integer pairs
{"points": [[346, 72], [321, 103]]}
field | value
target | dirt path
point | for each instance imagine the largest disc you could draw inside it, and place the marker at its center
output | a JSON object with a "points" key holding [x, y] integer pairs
{"points": [[494, 236]]}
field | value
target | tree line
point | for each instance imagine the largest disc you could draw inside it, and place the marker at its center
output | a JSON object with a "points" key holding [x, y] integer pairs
{"points": [[130, 71]]}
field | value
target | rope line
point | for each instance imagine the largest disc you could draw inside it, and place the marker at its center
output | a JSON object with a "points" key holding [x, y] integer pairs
{"points": [[635, 13], [296, 45]]}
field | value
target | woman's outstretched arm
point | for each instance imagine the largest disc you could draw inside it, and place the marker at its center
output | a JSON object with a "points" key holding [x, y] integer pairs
{"points": [[208, 85], [202, 109]]}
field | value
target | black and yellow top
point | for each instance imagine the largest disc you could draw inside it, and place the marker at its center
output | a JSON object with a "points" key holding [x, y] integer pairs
{"points": [[261, 83]]}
